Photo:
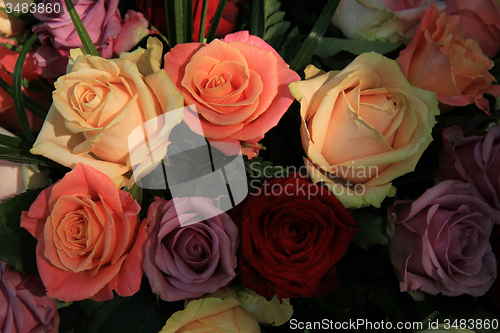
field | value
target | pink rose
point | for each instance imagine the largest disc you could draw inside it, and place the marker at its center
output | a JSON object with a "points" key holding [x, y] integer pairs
{"points": [[89, 237], [186, 258], [440, 59], [24, 307], [441, 242], [239, 86], [479, 20], [102, 20], [134, 28], [474, 159]]}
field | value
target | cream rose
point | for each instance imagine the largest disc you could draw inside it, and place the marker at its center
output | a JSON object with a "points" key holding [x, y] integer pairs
{"points": [[362, 127], [212, 315], [10, 25], [99, 103]]}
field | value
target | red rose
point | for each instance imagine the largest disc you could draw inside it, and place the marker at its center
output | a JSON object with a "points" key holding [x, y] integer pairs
{"points": [[293, 233], [154, 11]]}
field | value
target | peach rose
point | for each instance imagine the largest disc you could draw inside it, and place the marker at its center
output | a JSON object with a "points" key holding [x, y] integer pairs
{"points": [[212, 315], [100, 102], [440, 60], [480, 20], [363, 127], [239, 85], [89, 237]]}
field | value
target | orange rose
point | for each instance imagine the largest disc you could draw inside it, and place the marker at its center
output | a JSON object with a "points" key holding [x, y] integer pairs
{"points": [[239, 85], [440, 60], [89, 237]]}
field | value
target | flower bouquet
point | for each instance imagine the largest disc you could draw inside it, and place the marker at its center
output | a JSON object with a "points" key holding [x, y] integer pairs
{"points": [[249, 166]]}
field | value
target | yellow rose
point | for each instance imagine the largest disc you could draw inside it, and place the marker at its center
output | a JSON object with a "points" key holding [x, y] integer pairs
{"points": [[212, 315], [362, 127], [99, 103]]}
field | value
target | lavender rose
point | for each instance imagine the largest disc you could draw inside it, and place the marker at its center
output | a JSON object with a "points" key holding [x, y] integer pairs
{"points": [[441, 242], [102, 20], [185, 258], [474, 159], [24, 307]]}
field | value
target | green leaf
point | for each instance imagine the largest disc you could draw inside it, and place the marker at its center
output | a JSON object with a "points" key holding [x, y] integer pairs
{"points": [[24, 156], [179, 22], [372, 229], [14, 142], [290, 45], [274, 26], [276, 30], [328, 46], [17, 93], [215, 21], [274, 18], [257, 19], [140, 313], [188, 20], [36, 108], [17, 246], [136, 192], [87, 43], [308, 48], [201, 37], [170, 15]]}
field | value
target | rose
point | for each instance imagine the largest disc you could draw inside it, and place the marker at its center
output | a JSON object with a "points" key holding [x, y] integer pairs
{"points": [[494, 292], [134, 28], [381, 20], [102, 21], [480, 21], [238, 84], [17, 177], [363, 127], [441, 242], [440, 60], [292, 234], [474, 159], [155, 13], [273, 312], [89, 237], [25, 307], [100, 102], [212, 315], [10, 25], [8, 116], [186, 258]]}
